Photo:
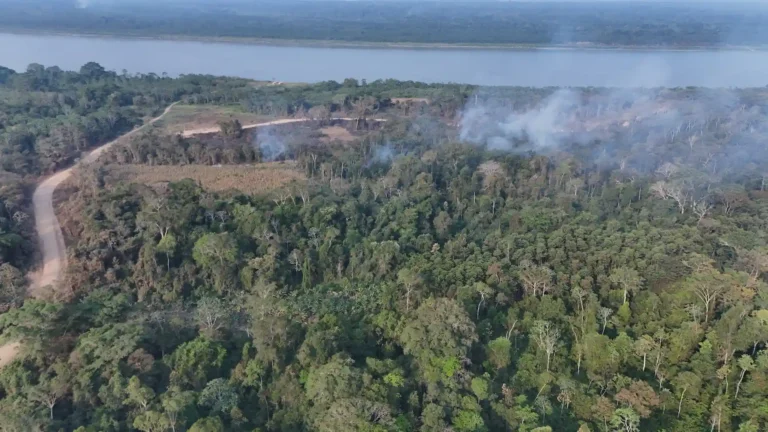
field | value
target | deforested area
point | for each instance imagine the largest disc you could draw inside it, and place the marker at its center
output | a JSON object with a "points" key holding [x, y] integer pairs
{"points": [[446, 257]]}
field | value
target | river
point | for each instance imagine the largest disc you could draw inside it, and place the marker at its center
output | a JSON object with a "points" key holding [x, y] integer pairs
{"points": [[534, 67]]}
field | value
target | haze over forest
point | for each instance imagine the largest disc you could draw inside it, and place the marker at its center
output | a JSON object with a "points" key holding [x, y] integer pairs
{"points": [[196, 253]]}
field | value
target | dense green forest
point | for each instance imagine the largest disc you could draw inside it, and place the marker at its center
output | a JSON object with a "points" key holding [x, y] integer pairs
{"points": [[423, 278], [496, 23]]}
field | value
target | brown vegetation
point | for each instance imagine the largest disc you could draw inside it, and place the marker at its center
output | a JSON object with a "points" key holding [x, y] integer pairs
{"points": [[410, 101], [68, 208], [337, 133], [252, 179]]}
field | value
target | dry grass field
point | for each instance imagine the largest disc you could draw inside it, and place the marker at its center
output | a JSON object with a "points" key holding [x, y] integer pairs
{"points": [[337, 133], [251, 179], [185, 117], [410, 100]]}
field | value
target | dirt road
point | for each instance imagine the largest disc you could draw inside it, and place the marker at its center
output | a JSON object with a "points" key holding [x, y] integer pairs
{"points": [[192, 132], [49, 231], [47, 225]]}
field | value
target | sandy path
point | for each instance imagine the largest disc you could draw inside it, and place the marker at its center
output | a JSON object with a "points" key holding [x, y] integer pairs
{"points": [[192, 132], [49, 234], [47, 225]]}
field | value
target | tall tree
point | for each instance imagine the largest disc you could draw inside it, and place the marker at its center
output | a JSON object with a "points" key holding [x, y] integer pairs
{"points": [[546, 336], [440, 334], [628, 279]]}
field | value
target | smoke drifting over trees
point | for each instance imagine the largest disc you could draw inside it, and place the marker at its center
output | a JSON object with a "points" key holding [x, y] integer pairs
{"points": [[615, 280], [718, 132], [269, 143]]}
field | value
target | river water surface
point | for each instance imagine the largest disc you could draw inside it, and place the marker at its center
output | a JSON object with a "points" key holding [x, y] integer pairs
{"points": [[543, 67]]}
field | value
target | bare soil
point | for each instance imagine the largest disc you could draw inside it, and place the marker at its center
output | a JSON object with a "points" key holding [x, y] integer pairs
{"points": [[8, 353]]}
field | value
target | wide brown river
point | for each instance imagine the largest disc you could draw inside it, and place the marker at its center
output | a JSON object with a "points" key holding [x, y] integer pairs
{"points": [[542, 67]]}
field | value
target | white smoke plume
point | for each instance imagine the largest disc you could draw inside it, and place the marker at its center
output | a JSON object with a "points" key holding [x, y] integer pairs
{"points": [[538, 129], [638, 128], [269, 143], [384, 153]]}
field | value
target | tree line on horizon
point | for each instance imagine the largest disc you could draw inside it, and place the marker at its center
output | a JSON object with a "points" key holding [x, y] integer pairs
{"points": [[650, 24]]}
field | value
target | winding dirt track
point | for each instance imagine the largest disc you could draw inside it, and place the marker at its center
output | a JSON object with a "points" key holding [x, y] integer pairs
{"points": [[49, 231], [47, 225]]}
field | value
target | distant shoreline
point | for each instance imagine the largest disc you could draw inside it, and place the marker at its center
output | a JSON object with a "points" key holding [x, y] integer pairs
{"points": [[309, 43]]}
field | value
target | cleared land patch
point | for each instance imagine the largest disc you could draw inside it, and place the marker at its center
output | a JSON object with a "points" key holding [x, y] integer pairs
{"points": [[337, 133], [186, 117], [8, 353], [410, 100], [251, 179]]}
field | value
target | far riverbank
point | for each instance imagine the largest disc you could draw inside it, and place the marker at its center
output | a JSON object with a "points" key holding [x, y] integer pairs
{"points": [[313, 43], [490, 67]]}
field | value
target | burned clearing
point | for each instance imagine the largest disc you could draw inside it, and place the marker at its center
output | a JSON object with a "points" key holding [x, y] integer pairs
{"points": [[337, 133], [254, 161], [261, 178]]}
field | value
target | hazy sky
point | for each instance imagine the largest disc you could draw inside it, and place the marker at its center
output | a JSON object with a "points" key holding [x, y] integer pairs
{"points": [[433, 1]]}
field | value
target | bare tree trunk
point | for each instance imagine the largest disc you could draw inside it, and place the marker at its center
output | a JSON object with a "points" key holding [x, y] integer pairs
{"points": [[480, 304], [738, 386], [578, 363], [407, 299], [680, 405]]}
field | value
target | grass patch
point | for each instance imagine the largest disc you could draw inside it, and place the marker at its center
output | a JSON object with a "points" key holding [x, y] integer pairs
{"points": [[183, 117], [251, 179], [337, 133], [411, 100]]}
